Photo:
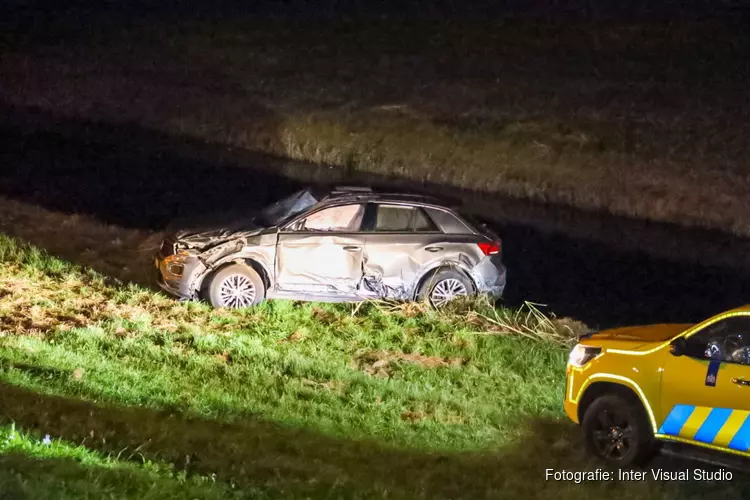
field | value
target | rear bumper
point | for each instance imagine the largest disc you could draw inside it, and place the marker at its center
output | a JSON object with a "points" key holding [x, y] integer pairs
{"points": [[490, 276]]}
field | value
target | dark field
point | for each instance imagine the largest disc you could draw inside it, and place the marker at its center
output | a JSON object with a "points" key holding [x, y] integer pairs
{"points": [[645, 119], [111, 126]]}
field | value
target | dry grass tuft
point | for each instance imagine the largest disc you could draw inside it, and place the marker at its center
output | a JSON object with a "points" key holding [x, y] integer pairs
{"points": [[297, 336], [404, 309], [323, 316], [381, 363], [33, 303], [479, 312], [527, 321], [413, 416], [337, 386]]}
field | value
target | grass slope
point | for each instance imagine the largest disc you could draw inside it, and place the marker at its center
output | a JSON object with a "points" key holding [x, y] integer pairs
{"points": [[144, 397], [51, 469]]}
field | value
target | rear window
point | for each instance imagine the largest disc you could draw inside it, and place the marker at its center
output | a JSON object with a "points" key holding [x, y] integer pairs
{"points": [[449, 223]]}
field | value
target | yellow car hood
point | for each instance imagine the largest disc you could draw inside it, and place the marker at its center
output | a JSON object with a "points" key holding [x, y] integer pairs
{"points": [[632, 337]]}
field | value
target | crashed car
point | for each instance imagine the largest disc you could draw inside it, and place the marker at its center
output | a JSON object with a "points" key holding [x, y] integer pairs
{"points": [[335, 245], [632, 388]]}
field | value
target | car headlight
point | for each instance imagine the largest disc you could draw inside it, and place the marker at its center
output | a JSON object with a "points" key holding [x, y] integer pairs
{"points": [[175, 264], [582, 354]]}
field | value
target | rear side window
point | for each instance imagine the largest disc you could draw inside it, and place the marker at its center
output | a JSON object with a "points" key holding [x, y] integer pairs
{"points": [[449, 223], [401, 218]]}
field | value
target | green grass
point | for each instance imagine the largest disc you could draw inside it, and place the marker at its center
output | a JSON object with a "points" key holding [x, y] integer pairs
{"points": [[52, 469], [144, 397], [334, 368], [644, 120]]}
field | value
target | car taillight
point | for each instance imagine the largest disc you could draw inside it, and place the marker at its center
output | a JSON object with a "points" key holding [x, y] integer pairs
{"points": [[490, 248]]}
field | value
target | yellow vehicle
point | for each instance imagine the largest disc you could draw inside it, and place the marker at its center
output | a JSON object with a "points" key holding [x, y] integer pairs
{"points": [[631, 388]]}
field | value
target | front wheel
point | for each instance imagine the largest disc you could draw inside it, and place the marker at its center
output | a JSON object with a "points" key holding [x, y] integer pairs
{"points": [[236, 286], [617, 430], [443, 286]]}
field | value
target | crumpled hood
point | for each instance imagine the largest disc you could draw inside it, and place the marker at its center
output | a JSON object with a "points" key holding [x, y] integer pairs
{"points": [[211, 231], [200, 239]]}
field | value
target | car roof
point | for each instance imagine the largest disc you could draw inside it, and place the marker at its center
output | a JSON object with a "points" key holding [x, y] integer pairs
{"points": [[362, 193]]}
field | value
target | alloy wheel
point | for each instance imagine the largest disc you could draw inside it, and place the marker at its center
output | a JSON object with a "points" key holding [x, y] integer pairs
{"points": [[236, 290], [447, 290], [612, 434]]}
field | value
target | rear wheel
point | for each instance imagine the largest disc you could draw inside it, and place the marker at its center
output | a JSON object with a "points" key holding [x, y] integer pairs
{"points": [[236, 286], [617, 430], [443, 286]]}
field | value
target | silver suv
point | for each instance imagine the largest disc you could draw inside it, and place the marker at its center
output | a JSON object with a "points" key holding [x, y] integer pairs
{"points": [[341, 244]]}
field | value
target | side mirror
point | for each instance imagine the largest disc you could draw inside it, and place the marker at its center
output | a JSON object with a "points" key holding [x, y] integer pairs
{"points": [[678, 346], [294, 227]]}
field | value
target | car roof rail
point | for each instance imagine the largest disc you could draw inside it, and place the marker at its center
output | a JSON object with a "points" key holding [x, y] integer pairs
{"points": [[351, 189], [367, 192], [430, 198]]}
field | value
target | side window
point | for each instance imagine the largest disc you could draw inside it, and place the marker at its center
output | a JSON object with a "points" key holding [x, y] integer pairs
{"points": [[402, 218], [422, 223], [345, 218], [449, 223], [727, 340]]}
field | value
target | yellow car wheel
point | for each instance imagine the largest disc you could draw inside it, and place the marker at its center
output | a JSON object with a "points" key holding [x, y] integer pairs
{"points": [[617, 430]]}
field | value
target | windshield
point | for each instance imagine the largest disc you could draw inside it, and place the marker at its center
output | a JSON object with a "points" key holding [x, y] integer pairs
{"points": [[287, 207]]}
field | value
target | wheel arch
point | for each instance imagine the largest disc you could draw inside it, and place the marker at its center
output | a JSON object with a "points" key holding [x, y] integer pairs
{"points": [[436, 268], [254, 264], [625, 387]]}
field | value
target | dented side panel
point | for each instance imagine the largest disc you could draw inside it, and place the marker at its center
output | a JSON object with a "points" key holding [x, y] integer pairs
{"points": [[319, 262], [394, 263]]}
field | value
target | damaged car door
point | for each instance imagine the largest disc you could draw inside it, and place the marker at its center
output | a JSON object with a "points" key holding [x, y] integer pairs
{"points": [[401, 242], [320, 254]]}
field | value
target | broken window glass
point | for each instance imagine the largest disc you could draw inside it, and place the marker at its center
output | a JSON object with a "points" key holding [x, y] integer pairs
{"points": [[343, 218], [287, 207]]}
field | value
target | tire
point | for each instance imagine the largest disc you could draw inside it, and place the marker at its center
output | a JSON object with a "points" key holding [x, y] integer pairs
{"points": [[439, 282], [617, 430], [236, 277]]}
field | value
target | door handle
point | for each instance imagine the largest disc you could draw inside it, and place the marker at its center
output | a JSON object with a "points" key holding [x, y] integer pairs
{"points": [[741, 381], [351, 248], [433, 249]]}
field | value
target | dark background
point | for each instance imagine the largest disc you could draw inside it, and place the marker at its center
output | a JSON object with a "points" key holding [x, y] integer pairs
{"points": [[594, 10]]}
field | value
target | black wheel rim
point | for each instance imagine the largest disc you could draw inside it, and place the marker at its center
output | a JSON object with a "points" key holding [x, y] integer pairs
{"points": [[613, 434]]}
